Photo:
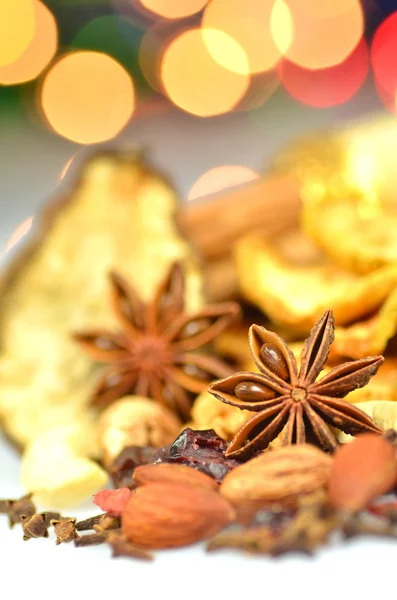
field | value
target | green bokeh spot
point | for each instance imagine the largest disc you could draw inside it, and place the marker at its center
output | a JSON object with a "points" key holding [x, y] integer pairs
{"points": [[117, 36]]}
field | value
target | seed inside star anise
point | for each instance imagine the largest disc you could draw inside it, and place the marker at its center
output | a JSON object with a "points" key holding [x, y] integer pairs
{"points": [[291, 400]]}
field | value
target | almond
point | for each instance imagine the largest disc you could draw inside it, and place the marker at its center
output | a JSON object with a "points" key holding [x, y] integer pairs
{"points": [[169, 473], [161, 515], [361, 471], [277, 476]]}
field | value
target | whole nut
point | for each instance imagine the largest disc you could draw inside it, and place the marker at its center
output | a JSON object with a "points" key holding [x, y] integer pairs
{"points": [[278, 476], [163, 515], [169, 473], [362, 471], [135, 421]]}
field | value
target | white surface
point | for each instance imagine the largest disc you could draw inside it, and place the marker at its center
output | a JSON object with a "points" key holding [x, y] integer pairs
{"points": [[31, 161]]}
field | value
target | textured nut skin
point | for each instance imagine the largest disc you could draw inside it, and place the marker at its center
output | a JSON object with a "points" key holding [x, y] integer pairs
{"points": [[277, 476], [169, 473], [135, 421], [160, 515], [361, 471]]}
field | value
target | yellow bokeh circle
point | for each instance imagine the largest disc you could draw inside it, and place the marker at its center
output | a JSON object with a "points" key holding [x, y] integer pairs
{"points": [[174, 9], [17, 26]]}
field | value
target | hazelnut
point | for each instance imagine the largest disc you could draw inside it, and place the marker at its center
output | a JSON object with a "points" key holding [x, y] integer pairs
{"points": [[135, 421]]}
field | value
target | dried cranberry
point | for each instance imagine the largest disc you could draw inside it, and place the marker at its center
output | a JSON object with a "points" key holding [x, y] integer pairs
{"points": [[202, 450], [123, 466]]}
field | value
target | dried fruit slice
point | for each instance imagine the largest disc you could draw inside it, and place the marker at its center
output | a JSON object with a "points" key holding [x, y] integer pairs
{"points": [[59, 478], [363, 244], [209, 413], [119, 215], [277, 280], [369, 336], [348, 189], [135, 421], [112, 501]]}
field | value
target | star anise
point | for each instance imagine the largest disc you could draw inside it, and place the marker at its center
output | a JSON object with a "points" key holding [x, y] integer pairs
{"points": [[154, 354], [292, 401]]}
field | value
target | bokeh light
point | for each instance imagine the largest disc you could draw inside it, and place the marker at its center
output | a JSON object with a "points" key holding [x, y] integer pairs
{"points": [[174, 9], [383, 59], [19, 233], [248, 23], [317, 35], [261, 87], [17, 26], [195, 82], [39, 52], [154, 43], [327, 87], [87, 97], [116, 35], [220, 178]]}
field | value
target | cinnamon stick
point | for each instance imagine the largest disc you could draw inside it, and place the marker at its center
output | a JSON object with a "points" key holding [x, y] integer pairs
{"points": [[265, 207]]}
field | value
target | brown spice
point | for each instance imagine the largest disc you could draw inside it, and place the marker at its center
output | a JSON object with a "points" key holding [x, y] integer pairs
{"points": [[123, 466], [292, 401], [89, 523], [107, 523], [34, 526], [65, 530], [310, 528], [153, 354], [17, 509], [94, 539], [123, 548]]}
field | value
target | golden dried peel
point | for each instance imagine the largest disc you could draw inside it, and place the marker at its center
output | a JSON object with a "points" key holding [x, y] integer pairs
{"points": [[120, 215], [369, 336], [294, 293]]}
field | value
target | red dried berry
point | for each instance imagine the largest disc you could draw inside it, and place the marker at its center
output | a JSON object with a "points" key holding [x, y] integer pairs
{"points": [[112, 501]]}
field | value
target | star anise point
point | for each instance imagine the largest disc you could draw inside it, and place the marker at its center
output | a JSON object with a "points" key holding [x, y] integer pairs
{"points": [[293, 401], [155, 352]]}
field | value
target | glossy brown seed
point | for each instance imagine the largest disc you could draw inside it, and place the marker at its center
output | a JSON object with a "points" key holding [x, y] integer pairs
{"points": [[253, 392], [274, 360]]}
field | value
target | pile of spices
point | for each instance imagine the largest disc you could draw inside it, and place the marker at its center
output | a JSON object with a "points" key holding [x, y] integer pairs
{"points": [[307, 492], [206, 436]]}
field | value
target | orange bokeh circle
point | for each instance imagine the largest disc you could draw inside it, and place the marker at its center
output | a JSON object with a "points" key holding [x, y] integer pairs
{"points": [[87, 97], [194, 81], [248, 23], [39, 52], [317, 35]]}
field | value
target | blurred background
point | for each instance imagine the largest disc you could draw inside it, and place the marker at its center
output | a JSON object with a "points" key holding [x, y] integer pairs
{"points": [[211, 89]]}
